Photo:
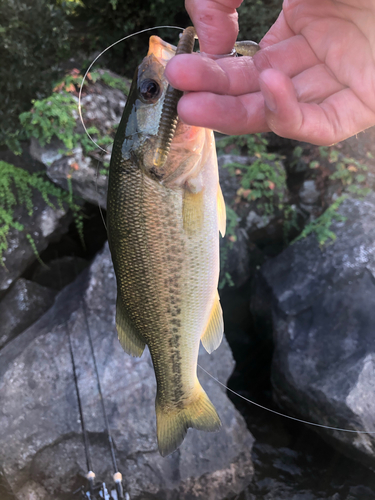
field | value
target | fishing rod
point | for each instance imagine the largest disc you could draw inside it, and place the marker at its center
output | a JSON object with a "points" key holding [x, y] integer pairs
{"points": [[96, 490], [117, 476], [90, 474]]}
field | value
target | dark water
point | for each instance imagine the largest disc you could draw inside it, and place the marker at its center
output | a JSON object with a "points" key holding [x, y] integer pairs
{"points": [[291, 461]]}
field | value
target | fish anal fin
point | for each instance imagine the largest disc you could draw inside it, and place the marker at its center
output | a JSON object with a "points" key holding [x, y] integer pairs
{"points": [[129, 338], [221, 211], [213, 335], [173, 423]]}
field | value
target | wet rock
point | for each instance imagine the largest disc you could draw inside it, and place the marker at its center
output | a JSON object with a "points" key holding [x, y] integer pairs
{"points": [[59, 272], [21, 307], [102, 107], [40, 435], [46, 224], [323, 318]]}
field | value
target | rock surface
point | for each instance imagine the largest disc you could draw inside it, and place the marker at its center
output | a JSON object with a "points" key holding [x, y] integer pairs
{"points": [[41, 449], [46, 224], [323, 318], [23, 304], [102, 107]]}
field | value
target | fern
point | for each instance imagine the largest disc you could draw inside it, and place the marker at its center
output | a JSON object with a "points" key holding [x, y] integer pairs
{"points": [[53, 116], [16, 188], [321, 226]]}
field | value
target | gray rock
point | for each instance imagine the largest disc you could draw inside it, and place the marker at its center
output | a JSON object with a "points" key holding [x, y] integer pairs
{"points": [[23, 305], [45, 225], [41, 448], [324, 316], [102, 107]]}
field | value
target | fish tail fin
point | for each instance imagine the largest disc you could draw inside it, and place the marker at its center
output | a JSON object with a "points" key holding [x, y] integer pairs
{"points": [[172, 424]]}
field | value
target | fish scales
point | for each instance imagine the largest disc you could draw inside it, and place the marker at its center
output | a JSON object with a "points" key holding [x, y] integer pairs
{"points": [[163, 238]]}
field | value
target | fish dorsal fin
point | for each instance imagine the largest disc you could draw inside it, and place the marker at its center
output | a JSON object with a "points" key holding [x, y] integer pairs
{"points": [[213, 335], [221, 211], [129, 338]]}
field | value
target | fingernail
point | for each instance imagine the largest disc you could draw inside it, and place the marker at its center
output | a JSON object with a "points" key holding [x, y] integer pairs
{"points": [[269, 99]]}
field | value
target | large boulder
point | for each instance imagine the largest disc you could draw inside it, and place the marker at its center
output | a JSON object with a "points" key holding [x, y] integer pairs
{"points": [[41, 448], [46, 224], [323, 303], [102, 107]]}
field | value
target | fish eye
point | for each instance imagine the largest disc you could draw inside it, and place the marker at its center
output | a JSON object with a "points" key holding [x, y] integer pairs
{"points": [[149, 90]]}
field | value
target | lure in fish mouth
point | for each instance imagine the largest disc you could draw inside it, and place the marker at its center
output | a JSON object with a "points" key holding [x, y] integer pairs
{"points": [[164, 212]]}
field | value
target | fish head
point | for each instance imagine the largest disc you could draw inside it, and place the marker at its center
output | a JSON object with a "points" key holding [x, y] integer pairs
{"points": [[140, 122]]}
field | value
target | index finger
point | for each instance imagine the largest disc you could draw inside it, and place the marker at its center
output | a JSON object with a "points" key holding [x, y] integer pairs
{"points": [[216, 23]]}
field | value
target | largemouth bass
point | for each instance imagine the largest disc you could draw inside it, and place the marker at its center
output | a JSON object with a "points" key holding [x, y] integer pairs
{"points": [[163, 229]]}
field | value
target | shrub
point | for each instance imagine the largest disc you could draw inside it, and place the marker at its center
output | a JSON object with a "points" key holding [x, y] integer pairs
{"points": [[33, 39]]}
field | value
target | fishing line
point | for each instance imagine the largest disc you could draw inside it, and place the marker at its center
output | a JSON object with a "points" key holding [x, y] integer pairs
{"points": [[94, 61], [283, 414]]}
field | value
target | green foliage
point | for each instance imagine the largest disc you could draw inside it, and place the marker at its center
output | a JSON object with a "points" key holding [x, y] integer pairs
{"points": [[351, 173], [33, 39], [255, 144], [52, 117], [256, 17], [264, 179], [16, 188], [321, 225], [55, 116]]}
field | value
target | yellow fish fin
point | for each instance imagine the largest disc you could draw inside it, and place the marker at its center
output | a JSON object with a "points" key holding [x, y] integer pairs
{"points": [[193, 211], [221, 211], [213, 335], [129, 338], [173, 423]]}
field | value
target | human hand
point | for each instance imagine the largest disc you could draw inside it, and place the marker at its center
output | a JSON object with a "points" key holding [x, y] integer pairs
{"points": [[313, 79]]}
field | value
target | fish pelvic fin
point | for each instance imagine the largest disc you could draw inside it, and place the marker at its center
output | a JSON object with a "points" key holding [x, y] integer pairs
{"points": [[173, 423], [213, 335], [129, 338]]}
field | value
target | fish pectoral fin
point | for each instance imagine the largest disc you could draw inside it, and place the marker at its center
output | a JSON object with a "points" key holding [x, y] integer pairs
{"points": [[173, 423], [213, 335], [221, 211], [193, 211], [129, 338]]}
